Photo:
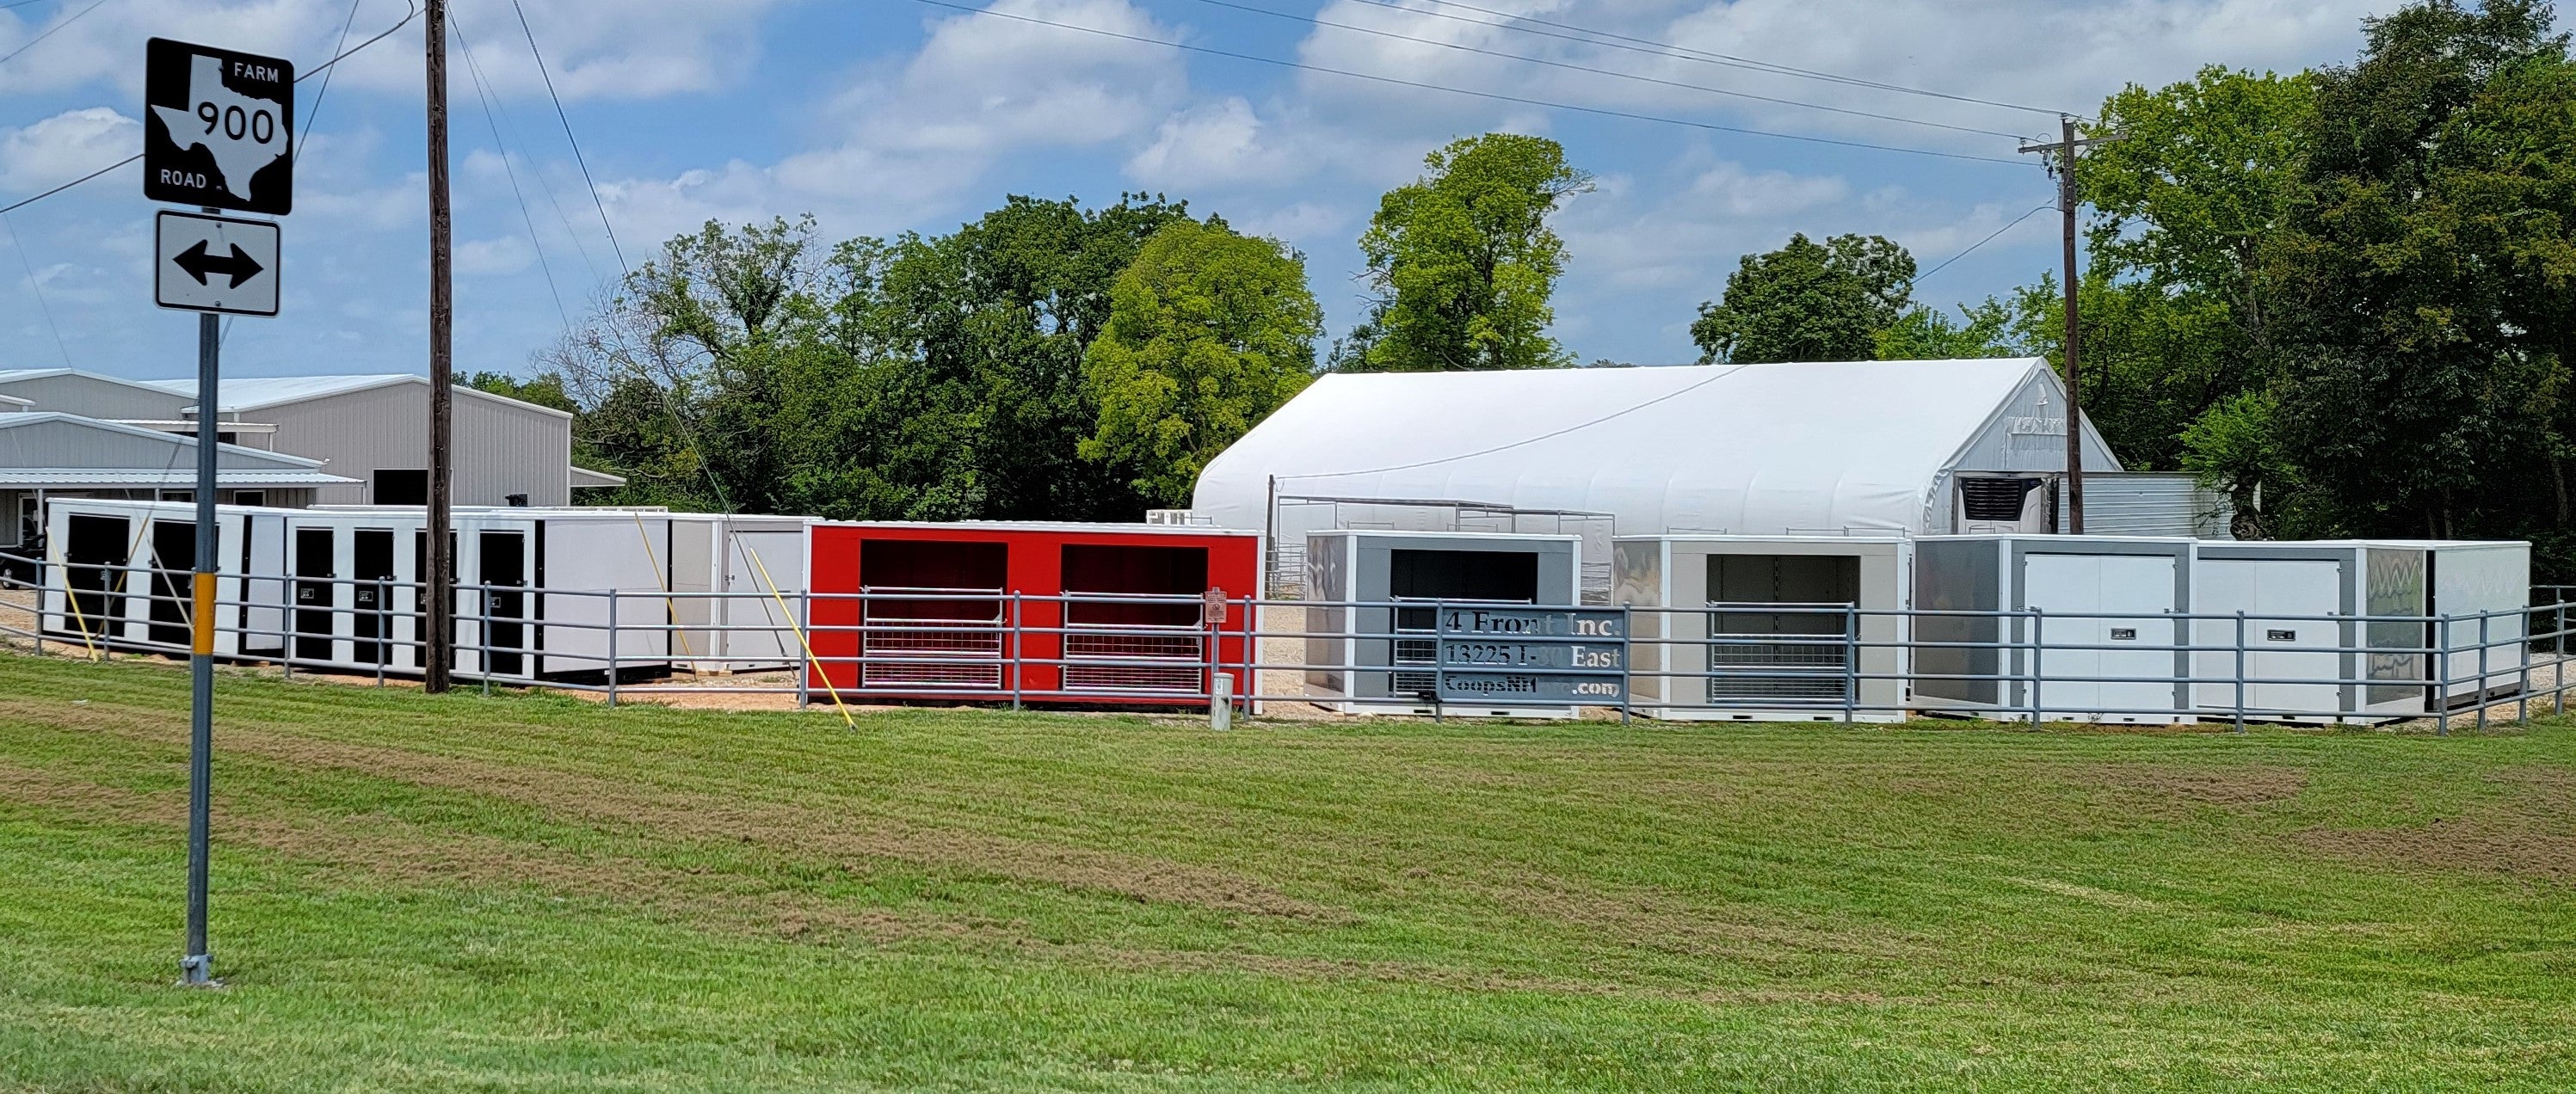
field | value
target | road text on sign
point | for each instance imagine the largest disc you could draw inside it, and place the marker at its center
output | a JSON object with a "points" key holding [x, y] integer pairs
{"points": [[218, 128], [217, 264]]}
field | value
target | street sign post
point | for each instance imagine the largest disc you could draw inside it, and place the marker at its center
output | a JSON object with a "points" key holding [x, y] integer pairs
{"points": [[1532, 655], [218, 128], [218, 133], [215, 264]]}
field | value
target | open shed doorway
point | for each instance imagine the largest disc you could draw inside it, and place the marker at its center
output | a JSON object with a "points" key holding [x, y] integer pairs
{"points": [[1811, 643], [1493, 577], [941, 641], [1123, 608]]}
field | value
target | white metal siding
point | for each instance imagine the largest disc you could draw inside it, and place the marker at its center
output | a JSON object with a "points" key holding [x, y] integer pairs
{"points": [[93, 398], [501, 449]]}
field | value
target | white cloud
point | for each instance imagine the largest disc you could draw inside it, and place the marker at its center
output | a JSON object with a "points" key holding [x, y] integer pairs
{"points": [[65, 147], [498, 255]]}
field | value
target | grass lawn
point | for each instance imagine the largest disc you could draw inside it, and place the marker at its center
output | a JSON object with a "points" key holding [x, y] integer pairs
{"points": [[533, 893]]}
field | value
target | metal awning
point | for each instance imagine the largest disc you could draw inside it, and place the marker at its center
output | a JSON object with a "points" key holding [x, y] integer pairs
{"points": [[582, 476]]}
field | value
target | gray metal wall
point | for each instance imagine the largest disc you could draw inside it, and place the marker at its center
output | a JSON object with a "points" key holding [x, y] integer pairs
{"points": [[501, 449], [75, 444], [2152, 503], [91, 398]]}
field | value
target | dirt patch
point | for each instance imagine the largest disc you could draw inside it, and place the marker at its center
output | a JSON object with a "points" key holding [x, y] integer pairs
{"points": [[2225, 787], [2476, 844]]}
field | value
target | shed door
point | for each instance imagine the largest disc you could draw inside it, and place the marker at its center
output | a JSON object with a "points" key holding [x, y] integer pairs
{"points": [[94, 557], [2116, 602], [174, 560], [313, 593], [2276, 648]]}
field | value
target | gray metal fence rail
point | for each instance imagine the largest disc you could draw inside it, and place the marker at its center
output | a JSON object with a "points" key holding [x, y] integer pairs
{"points": [[881, 646]]}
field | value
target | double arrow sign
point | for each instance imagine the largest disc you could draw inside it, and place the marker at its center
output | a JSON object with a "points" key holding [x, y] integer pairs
{"points": [[216, 264]]}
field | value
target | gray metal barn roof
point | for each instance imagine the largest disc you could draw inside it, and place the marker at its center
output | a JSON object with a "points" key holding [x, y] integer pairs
{"points": [[50, 449]]}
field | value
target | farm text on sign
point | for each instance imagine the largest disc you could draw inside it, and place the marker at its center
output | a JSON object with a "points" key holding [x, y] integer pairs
{"points": [[219, 128]]}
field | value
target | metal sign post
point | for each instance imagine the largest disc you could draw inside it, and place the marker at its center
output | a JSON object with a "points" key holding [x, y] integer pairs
{"points": [[218, 134]]}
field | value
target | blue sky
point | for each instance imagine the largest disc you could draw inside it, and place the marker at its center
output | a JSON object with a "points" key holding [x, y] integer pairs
{"points": [[882, 116]]}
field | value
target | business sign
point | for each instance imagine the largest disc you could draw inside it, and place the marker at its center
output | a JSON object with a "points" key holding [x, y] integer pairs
{"points": [[1532, 655], [218, 128], [217, 264]]}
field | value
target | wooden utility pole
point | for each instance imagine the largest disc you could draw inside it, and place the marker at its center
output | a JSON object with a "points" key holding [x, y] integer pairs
{"points": [[440, 581], [2066, 148]]}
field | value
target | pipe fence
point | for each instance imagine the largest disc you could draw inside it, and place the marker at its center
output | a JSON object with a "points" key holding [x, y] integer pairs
{"points": [[1435, 658]]}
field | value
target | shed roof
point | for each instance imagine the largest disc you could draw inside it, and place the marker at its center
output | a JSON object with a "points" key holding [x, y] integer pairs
{"points": [[54, 449], [1765, 448], [236, 395]]}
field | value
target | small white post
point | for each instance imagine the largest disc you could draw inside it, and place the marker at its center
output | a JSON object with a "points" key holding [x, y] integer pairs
{"points": [[1221, 702]]}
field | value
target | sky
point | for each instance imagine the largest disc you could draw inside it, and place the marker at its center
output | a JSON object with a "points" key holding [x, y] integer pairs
{"points": [[879, 117]]}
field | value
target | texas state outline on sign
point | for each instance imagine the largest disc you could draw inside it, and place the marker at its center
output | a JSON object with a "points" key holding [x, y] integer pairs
{"points": [[238, 159]]}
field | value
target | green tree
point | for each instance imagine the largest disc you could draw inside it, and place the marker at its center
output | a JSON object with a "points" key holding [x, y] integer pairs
{"points": [[1808, 301], [546, 389], [1209, 331], [1925, 333], [1464, 263], [2429, 278]]}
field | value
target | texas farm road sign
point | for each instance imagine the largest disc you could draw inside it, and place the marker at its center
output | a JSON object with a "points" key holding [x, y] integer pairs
{"points": [[218, 264], [218, 128]]}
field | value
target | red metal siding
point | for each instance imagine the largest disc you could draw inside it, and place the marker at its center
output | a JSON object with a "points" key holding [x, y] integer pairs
{"points": [[1034, 567]]}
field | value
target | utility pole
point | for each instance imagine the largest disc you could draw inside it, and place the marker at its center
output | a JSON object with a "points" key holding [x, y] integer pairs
{"points": [[2066, 148], [440, 582]]}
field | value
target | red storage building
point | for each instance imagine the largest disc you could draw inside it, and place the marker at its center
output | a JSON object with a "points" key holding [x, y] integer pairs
{"points": [[1116, 614]]}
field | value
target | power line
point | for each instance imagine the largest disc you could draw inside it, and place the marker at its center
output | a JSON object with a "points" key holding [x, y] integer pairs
{"points": [[1662, 49], [1496, 96], [49, 32], [482, 90], [568, 137], [1990, 237], [1463, 48], [15, 206]]}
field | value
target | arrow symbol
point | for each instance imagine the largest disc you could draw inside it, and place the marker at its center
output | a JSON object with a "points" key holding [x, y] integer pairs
{"points": [[198, 264]]}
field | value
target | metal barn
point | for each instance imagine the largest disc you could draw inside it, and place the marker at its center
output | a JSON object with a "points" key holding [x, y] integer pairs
{"points": [[1097, 614], [1381, 660], [337, 588], [2355, 669], [2088, 599], [1773, 621]]}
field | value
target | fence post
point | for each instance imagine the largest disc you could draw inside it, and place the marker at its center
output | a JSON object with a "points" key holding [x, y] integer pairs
{"points": [[1439, 657], [804, 620], [2240, 670], [1627, 661], [2442, 676], [1851, 663], [612, 648], [1014, 621], [384, 633], [2558, 668], [2038, 618], [2478, 691], [2522, 681]]}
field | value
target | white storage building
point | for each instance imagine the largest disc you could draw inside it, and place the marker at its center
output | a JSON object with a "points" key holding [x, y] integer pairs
{"points": [[1833, 448]]}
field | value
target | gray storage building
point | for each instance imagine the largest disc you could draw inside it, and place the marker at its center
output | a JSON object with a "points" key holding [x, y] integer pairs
{"points": [[44, 455]]}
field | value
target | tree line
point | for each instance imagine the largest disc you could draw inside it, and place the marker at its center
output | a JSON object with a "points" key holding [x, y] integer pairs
{"points": [[2344, 296]]}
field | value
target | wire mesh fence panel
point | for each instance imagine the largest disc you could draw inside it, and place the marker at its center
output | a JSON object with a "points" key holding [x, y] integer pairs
{"points": [[1182, 655]]}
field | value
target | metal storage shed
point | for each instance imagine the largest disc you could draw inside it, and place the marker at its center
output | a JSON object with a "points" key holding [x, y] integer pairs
{"points": [[737, 583], [2089, 597], [1360, 660], [1089, 611], [1777, 665], [337, 588], [1863, 447], [2359, 670]]}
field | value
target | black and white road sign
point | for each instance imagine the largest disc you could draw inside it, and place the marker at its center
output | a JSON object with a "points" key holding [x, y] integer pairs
{"points": [[218, 128], [220, 264]]}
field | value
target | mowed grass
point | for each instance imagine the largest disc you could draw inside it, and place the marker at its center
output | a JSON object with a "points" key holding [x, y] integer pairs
{"points": [[534, 893]]}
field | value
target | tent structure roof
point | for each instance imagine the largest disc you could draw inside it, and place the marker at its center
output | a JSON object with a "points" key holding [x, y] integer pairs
{"points": [[1835, 447]]}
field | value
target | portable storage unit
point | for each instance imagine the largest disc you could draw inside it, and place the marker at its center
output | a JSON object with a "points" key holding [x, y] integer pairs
{"points": [[119, 574], [1373, 660], [928, 611], [2379, 669], [1779, 665], [2095, 596], [337, 588], [754, 567]]}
